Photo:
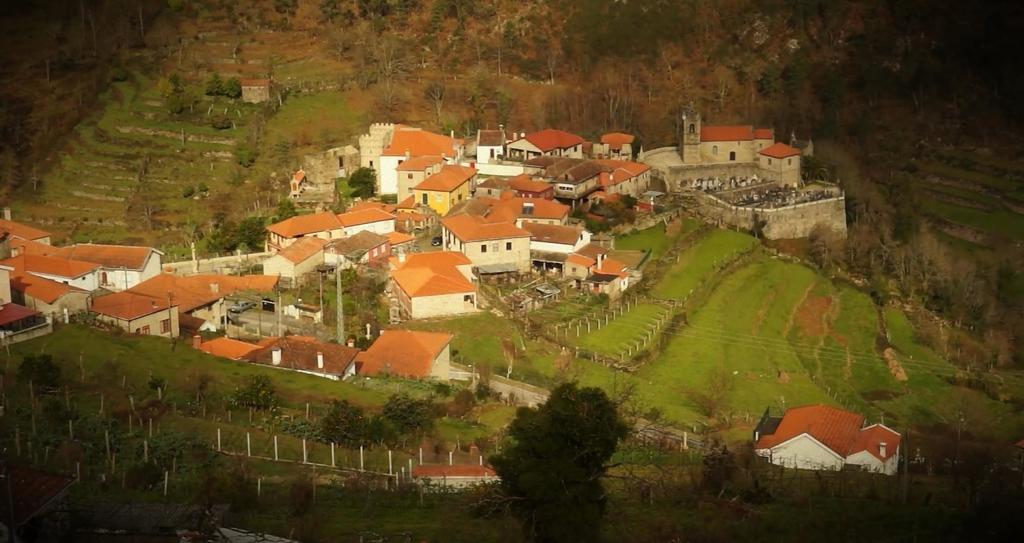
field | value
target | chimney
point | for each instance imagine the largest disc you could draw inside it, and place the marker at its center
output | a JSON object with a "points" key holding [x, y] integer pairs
{"points": [[401, 256], [215, 287], [407, 154], [351, 342], [881, 449], [319, 360], [451, 134], [275, 356], [600, 260], [197, 340], [7, 213]]}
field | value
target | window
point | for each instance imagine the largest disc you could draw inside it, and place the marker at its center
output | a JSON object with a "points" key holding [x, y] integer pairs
{"points": [[789, 162], [371, 164], [769, 162], [732, 155], [145, 330], [103, 278], [693, 130], [483, 247], [714, 149], [468, 298], [508, 245], [409, 176], [165, 326], [425, 198]]}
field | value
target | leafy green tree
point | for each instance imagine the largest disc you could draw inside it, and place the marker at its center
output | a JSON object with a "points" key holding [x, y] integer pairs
{"points": [[258, 394], [769, 83], [363, 183], [408, 415], [41, 370], [552, 471], [345, 424], [232, 88], [214, 85], [329, 9], [285, 210], [251, 233]]}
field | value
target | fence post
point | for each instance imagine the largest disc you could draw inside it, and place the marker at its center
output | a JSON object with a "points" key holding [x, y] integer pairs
{"points": [[390, 470], [686, 440], [248, 445], [275, 449], [304, 456], [218, 440], [165, 482], [361, 458], [332, 454]]}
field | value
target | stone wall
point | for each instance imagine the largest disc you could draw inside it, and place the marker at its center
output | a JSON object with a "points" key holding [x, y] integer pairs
{"points": [[795, 221]]}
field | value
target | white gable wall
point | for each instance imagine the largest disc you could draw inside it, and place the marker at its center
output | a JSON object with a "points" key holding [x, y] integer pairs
{"points": [[803, 452]]}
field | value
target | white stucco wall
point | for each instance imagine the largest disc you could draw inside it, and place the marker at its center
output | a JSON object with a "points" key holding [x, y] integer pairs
{"points": [[805, 453], [379, 227], [89, 281]]}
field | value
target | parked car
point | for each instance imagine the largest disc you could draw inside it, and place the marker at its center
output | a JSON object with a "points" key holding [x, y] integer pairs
{"points": [[435, 241], [241, 307]]}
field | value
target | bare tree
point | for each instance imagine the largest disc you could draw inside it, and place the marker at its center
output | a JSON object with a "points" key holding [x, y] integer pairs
{"points": [[435, 92]]}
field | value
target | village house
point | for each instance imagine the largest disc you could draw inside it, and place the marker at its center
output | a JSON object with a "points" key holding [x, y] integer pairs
{"points": [[550, 245], [591, 270], [307, 355], [401, 143], [574, 179], [17, 322], [297, 184], [414, 171], [821, 437], [50, 298], [373, 220], [324, 225], [492, 187], [614, 145], [442, 190], [493, 247], [255, 91], [525, 186], [548, 142], [138, 313], [225, 347], [433, 284], [782, 163], [364, 248], [520, 211], [624, 177], [408, 353], [121, 267], [401, 242], [17, 230], [297, 259], [203, 296], [73, 273], [490, 145]]}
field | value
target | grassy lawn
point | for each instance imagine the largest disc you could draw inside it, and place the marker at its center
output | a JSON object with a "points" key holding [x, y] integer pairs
{"points": [[655, 239], [315, 119], [700, 261], [620, 332], [999, 221]]}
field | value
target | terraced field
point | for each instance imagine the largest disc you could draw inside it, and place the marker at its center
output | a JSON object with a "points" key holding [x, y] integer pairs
{"points": [[700, 261], [622, 331]]}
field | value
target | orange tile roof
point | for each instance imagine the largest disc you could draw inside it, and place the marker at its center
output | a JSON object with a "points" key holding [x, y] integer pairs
{"points": [[727, 133], [300, 176], [552, 233], [405, 353], [301, 225], [525, 183], [128, 305], [302, 249], [510, 209], [419, 143], [225, 347], [550, 139], [580, 260], [870, 439], [50, 265], [255, 82], [21, 246], [40, 288], [23, 231], [615, 140], [475, 228], [300, 353], [432, 259], [448, 179], [370, 204], [419, 163], [364, 216], [764, 134], [110, 256], [432, 274], [398, 238], [457, 470], [780, 150], [408, 203], [194, 291], [632, 168], [610, 266], [835, 428]]}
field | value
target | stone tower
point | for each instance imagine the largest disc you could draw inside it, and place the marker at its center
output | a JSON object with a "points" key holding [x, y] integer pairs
{"points": [[689, 149]]}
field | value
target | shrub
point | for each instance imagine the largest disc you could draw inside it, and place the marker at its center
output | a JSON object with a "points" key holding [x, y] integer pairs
{"points": [[259, 394], [118, 74], [41, 370], [188, 192], [232, 88], [220, 122], [245, 156]]}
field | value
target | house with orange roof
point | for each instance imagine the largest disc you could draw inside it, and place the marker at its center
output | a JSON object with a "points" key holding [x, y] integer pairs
{"points": [[138, 313], [52, 299], [255, 91], [400, 242], [440, 476], [492, 247], [781, 162], [225, 347], [624, 177], [526, 186], [822, 437], [547, 142], [302, 354], [297, 184], [413, 171], [17, 230], [374, 220], [74, 273], [297, 259], [324, 225], [490, 145], [408, 353], [203, 296], [442, 190], [520, 211], [492, 187], [120, 266], [406, 143], [434, 284], [614, 145], [364, 248]]}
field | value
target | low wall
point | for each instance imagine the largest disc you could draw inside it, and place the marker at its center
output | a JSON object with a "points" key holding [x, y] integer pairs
{"points": [[795, 221], [215, 265], [503, 170]]}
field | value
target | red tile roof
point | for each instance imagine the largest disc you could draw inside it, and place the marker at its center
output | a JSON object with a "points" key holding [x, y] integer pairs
{"points": [[232, 349], [128, 305], [727, 133], [302, 249], [552, 233], [26, 246], [419, 163], [580, 260], [255, 82], [839, 430], [615, 140], [49, 265], [398, 238], [41, 289], [550, 139], [432, 274], [364, 216], [439, 471], [510, 209], [475, 228], [448, 179], [419, 143], [405, 353], [300, 353], [764, 134], [299, 176], [23, 231], [780, 150], [12, 312], [110, 256], [525, 183], [194, 291], [408, 203], [301, 225]]}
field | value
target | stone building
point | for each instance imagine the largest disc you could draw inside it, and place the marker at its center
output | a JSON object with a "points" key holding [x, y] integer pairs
{"points": [[255, 91]]}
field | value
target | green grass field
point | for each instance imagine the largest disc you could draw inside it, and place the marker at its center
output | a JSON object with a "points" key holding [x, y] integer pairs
{"points": [[620, 332], [655, 239], [1000, 222], [700, 261]]}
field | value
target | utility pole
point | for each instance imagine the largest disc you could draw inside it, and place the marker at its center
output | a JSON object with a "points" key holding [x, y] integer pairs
{"points": [[341, 305]]}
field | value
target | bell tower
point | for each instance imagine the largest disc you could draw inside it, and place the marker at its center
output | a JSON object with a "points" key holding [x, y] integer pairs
{"points": [[689, 149]]}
